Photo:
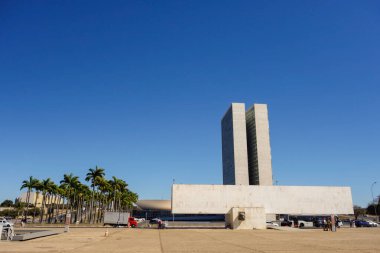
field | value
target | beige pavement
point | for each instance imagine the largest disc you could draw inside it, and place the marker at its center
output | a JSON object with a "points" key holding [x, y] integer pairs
{"points": [[202, 240]]}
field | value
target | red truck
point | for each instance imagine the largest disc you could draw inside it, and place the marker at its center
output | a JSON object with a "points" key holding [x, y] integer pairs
{"points": [[119, 219], [132, 222]]}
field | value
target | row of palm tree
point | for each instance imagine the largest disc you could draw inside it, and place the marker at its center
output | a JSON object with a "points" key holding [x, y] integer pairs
{"points": [[86, 204]]}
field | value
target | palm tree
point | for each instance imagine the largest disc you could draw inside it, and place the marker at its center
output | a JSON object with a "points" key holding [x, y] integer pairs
{"points": [[54, 192], [81, 192], [60, 191], [94, 176], [122, 193], [118, 185], [105, 190], [47, 184], [70, 181], [29, 185], [37, 186], [127, 199], [123, 198], [86, 199]]}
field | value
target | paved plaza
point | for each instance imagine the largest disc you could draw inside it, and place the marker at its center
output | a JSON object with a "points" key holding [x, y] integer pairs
{"points": [[202, 240]]}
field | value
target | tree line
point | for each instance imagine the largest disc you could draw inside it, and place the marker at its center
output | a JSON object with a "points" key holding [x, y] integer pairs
{"points": [[85, 203], [372, 208]]}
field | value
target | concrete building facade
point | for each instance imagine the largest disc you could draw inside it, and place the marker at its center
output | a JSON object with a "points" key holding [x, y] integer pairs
{"points": [[258, 140], [234, 146], [246, 146], [296, 200]]}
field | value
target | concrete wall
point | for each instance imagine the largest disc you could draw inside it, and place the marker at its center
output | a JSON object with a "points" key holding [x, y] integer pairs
{"points": [[234, 146], [219, 199], [254, 218]]}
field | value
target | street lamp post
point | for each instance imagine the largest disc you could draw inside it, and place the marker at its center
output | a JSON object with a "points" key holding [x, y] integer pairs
{"points": [[373, 199]]}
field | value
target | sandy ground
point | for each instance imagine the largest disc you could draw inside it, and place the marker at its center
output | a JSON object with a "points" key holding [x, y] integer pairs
{"points": [[201, 240]]}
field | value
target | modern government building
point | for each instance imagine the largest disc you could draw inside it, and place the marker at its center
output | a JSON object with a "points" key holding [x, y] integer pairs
{"points": [[247, 197]]}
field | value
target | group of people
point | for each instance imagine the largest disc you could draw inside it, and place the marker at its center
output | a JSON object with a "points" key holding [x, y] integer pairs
{"points": [[327, 224], [331, 224]]}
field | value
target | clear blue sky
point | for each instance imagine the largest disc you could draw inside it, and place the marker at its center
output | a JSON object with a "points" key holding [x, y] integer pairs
{"points": [[139, 88]]}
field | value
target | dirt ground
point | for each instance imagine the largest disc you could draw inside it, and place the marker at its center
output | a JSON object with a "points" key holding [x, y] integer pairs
{"points": [[201, 240]]}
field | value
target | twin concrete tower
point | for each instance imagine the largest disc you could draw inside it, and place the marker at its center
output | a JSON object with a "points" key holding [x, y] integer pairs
{"points": [[246, 146]]}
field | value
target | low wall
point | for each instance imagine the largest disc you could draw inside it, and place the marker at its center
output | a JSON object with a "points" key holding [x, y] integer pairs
{"points": [[299, 200], [255, 218]]}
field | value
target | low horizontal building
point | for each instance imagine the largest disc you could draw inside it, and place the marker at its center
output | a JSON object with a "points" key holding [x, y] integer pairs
{"points": [[150, 204]]}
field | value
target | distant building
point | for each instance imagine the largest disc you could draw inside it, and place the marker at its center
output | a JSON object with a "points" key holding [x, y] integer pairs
{"points": [[246, 146], [32, 199]]}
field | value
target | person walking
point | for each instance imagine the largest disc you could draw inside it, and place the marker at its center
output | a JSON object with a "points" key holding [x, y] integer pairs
{"points": [[324, 225], [329, 225]]}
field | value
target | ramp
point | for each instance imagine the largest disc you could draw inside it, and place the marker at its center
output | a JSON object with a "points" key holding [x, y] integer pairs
{"points": [[23, 235]]}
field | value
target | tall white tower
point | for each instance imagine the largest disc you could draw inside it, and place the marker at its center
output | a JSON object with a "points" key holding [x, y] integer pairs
{"points": [[259, 152], [246, 146], [234, 146]]}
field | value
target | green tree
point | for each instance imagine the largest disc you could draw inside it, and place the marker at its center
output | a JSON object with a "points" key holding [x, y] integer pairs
{"points": [[7, 203], [28, 184], [117, 186], [82, 193], [358, 211], [53, 194], [60, 193], [373, 208], [37, 186], [127, 199], [103, 197], [70, 182], [94, 176], [46, 184]]}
